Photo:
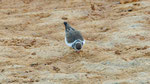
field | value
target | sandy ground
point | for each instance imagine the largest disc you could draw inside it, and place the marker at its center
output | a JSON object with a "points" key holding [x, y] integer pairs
{"points": [[33, 51]]}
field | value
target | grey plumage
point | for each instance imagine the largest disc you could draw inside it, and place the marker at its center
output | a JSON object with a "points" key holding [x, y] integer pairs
{"points": [[73, 37]]}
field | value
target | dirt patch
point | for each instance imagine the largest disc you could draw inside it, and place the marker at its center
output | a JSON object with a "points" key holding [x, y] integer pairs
{"points": [[117, 49]]}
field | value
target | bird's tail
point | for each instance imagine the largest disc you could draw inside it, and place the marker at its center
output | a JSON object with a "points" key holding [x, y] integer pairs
{"points": [[67, 26]]}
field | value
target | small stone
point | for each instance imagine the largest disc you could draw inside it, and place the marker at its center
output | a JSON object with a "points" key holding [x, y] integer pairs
{"points": [[34, 64], [117, 52], [129, 10], [34, 53], [36, 80], [56, 69], [64, 18], [2, 70], [92, 7]]}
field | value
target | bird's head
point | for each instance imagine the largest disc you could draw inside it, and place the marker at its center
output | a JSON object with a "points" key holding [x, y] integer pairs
{"points": [[77, 46]]}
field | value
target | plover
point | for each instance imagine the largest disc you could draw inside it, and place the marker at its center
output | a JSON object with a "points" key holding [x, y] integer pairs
{"points": [[73, 38]]}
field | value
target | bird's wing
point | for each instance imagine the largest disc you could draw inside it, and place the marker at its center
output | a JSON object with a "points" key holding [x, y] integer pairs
{"points": [[73, 35]]}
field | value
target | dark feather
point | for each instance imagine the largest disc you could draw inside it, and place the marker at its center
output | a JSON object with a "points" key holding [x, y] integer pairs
{"points": [[68, 28], [72, 36]]}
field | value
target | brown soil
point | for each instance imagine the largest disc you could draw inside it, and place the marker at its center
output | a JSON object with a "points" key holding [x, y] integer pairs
{"points": [[33, 51]]}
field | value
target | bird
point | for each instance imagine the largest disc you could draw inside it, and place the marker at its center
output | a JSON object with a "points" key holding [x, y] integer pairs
{"points": [[73, 38]]}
